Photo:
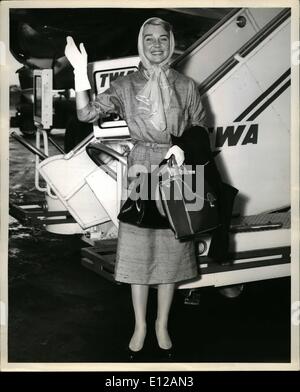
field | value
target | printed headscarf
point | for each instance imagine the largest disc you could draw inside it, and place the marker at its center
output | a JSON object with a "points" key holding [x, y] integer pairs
{"points": [[156, 94]]}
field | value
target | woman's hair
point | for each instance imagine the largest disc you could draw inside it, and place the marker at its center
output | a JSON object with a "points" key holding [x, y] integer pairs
{"points": [[160, 22]]}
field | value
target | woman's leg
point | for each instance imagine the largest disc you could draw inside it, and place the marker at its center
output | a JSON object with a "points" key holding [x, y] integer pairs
{"points": [[139, 295], [164, 300]]}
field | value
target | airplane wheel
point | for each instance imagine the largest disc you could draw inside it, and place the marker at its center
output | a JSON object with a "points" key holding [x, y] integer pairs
{"points": [[232, 291]]}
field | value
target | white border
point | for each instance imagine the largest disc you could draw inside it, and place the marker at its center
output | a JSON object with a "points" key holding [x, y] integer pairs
{"points": [[4, 140]]}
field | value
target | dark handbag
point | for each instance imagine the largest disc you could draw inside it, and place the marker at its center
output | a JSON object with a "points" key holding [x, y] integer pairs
{"points": [[188, 211], [142, 211]]}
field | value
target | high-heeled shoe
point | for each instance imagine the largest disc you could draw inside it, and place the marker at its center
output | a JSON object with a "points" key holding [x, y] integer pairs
{"points": [[166, 354], [133, 355]]}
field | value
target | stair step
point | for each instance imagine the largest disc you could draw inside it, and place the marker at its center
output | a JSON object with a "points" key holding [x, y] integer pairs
{"points": [[97, 267], [102, 257], [272, 221]]}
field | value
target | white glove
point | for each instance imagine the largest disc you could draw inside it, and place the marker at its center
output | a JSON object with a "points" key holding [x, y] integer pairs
{"points": [[178, 153], [78, 60]]}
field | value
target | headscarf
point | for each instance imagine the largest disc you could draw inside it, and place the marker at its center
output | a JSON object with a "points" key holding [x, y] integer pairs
{"points": [[156, 94]]}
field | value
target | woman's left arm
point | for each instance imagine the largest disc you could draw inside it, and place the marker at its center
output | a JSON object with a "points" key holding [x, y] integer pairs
{"points": [[195, 127], [196, 116], [195, 107]]}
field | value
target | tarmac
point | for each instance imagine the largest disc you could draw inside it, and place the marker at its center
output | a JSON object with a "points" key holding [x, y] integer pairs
{"points": [[61, 312]]}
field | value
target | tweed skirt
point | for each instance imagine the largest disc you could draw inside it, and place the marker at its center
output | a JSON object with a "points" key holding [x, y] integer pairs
{"points": [[152, 256]]}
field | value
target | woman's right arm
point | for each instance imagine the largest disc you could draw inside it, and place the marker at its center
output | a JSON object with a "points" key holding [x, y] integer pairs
{"points": [[107, 102], [85, 110], [82, 99]]}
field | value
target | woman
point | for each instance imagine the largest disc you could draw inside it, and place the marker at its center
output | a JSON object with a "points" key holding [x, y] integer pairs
{"points": [[157, 103]]}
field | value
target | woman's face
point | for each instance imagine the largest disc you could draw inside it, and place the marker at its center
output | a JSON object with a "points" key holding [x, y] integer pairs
{"points": [[156, 43]]}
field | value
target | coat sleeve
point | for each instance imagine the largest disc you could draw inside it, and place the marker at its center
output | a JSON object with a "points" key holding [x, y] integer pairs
{"points": [[195, 144], [110, 101], [195, 107]]}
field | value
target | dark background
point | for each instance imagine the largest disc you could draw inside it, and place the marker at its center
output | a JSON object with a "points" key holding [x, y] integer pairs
{"points": [[106, 33]]}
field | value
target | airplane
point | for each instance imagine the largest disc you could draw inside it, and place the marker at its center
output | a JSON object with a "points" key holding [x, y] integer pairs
{"points": [[38, 37], [242, 68]]}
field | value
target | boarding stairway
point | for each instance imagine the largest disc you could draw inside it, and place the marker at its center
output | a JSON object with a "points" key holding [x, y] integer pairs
{"points": [[100, 258], [242, 130], [260, 241]]}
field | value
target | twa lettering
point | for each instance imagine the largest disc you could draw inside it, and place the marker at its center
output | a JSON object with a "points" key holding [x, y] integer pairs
{"points": [[235, 134], [103, 79], [112, 76]]}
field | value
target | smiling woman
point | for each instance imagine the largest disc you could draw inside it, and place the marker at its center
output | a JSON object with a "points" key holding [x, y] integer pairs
{"points": [[158, 103], [156, 46], [156, 43]]}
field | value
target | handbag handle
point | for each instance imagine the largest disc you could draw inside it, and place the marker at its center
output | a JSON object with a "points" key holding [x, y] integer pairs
{"points": [[172, 162]]}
